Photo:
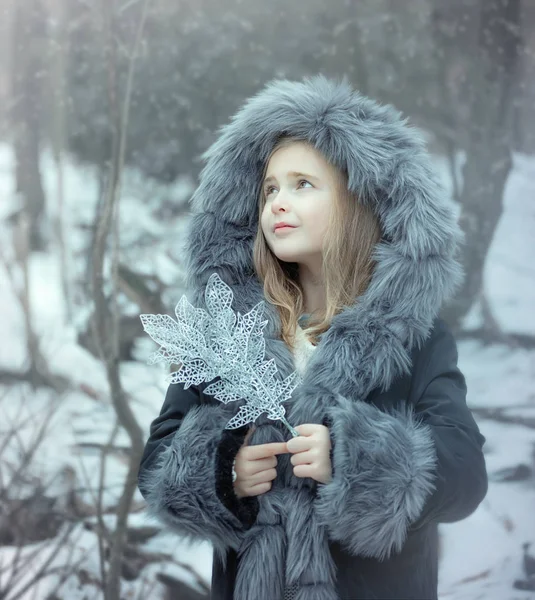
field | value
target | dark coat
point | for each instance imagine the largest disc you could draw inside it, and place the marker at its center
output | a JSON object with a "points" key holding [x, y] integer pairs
{"points": [[437, 390], [406, 452]]}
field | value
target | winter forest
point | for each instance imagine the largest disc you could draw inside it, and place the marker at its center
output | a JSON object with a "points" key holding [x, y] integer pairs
{"points": [[105, 109]]}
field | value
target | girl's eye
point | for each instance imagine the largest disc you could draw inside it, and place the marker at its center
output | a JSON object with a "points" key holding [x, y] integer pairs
{"points": [[268, 190]]}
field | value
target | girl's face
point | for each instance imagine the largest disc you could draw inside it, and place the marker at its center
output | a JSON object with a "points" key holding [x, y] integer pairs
{"points": [[299, 189]]}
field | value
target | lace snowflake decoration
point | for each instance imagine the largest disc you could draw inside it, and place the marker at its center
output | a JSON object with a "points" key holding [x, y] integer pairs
{"points": [[217, 342]]}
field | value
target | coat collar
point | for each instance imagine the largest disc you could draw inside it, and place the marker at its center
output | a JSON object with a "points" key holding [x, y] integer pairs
{"points": [[369, 344]]}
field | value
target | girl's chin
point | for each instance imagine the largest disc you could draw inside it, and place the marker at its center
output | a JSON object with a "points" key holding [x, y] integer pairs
{"points": [[287, 257]]}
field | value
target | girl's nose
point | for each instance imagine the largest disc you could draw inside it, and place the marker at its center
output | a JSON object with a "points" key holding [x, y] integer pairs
{"points": [[279, 202]]}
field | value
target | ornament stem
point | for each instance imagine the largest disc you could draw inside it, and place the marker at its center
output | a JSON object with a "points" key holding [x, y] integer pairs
{"points": [[290, 428]]}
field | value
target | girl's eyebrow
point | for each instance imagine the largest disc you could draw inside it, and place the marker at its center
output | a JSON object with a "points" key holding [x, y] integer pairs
{"points": [[291, 174]]}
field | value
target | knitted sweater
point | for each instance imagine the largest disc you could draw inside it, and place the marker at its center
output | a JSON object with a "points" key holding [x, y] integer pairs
{"points": [[303, 350]]}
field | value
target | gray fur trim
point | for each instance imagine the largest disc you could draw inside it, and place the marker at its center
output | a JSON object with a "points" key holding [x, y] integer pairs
{"points": [[261, 568], [182, 485], [384, 468], [286, 545], [309, 559], [317, 591], [388, 167]]}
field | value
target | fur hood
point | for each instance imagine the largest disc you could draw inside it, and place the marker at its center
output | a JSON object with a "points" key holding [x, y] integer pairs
{"points": [[367, 346], [388, 167]]}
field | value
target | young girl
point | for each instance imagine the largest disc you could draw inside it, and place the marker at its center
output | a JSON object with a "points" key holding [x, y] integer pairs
{"points": [[353, 286]]}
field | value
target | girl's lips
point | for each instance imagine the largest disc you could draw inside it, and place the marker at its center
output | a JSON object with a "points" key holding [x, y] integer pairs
{"points": [[282, 229]]}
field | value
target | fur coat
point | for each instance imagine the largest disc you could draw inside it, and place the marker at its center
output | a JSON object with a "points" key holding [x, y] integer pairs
{"points": [[406, 451]]}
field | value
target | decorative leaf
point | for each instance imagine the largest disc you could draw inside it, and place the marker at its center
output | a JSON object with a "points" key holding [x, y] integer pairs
{"points": [[161, 328], [218, 295], [276, 412], [246, 414], [222, 391], [217, 342], [184, 311]]}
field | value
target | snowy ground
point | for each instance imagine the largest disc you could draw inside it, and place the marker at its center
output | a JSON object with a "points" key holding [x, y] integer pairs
{"points": [[481, 555]]}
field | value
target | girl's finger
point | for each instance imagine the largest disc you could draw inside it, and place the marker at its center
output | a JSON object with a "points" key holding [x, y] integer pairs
{"points": [[307, 429], [302, 458], [263, 476], [264, 450], [257, 466], [299, 444], [305, 471], [258, 489]]}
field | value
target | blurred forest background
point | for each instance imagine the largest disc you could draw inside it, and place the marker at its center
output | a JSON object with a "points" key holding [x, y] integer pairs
{"points": [[105, 108]]}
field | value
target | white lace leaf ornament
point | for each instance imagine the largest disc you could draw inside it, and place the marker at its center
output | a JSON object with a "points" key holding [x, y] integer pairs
{"points": [[223, 391], [217, 342]]}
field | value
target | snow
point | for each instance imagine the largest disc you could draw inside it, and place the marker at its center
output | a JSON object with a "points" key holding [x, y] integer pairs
{"points": [[481, 555]]}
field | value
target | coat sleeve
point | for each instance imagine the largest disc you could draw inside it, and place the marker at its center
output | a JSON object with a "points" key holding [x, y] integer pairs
{"points": [[396, 471], [185, 471]]}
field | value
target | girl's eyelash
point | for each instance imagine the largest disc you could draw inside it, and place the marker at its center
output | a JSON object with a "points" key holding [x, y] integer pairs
{"points": [[269, 187]]}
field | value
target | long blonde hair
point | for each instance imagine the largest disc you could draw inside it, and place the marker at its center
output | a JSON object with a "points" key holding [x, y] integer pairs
{"points": [[347, 267]]}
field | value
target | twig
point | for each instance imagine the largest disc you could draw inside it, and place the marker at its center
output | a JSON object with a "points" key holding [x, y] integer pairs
{"points": [[102, 525], [52, 593], [29, 453], [44, 570], [38, 372]]}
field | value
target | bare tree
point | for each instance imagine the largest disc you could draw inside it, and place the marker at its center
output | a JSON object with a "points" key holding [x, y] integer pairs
{"points": [[489, 144], [106, 329]]}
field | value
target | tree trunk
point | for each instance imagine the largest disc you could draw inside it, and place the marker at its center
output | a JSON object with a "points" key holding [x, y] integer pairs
{"points": [[27, 54], [58, 93], [525, 122], [489, 144]]}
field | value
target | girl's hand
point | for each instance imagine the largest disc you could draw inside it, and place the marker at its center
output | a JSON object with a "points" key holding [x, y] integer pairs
{"points": [[311, 452], [256, 467]]}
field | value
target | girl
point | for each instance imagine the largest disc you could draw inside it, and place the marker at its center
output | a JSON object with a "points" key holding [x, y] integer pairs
{"points": [[353, 286]]}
